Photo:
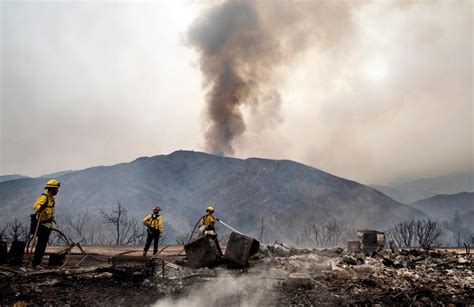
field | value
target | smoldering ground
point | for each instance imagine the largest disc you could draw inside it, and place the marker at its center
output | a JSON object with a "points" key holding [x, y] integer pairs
{"points": [[255, 286], [329, 277], [223, 290]]}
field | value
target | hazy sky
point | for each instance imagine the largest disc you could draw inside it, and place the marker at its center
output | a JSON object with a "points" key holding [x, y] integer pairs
{"points": [[383, 92]]}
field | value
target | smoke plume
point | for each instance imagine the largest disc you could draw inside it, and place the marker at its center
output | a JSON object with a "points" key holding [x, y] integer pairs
{"points": [[241, 46]]}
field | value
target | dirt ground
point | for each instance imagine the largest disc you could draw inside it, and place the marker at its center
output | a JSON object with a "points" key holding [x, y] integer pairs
{"points": [[114, 250], [120, 276]]}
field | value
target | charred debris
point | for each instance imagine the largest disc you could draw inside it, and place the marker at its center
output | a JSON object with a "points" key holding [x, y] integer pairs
{"points": [[364, 273]]}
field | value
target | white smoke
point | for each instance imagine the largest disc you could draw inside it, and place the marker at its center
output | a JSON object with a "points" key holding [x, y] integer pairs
{"points": [[225, 290]]}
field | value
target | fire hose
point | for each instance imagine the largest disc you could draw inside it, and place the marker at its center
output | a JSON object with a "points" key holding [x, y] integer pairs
{"points": [[33, 239], [67, 251]]}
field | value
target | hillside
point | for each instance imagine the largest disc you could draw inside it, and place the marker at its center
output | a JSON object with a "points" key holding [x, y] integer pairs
{"points": [[289, 196], [413, 191], [11, 177], [443, 207]]}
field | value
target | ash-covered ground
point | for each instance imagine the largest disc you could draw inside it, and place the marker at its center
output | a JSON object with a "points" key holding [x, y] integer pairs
{"points": [[275, 277]]}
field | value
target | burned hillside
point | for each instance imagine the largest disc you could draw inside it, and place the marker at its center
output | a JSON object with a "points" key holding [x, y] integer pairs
{"points": [[289, 195]]}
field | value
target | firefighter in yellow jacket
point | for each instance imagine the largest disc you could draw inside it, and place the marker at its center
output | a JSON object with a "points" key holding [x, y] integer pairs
{"points": [[208, 228], [44, 208], [207, 222], [154, 225]]}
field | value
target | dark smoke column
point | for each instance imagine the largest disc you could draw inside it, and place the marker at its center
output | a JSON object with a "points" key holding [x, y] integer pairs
{"points": [[240, 44], [236, 55]]}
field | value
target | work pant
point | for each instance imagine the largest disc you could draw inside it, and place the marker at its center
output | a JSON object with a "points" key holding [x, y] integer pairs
{"points": [[42, 241], [152, 235]]}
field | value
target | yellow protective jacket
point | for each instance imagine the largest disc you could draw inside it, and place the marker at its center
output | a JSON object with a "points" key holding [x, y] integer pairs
{"points": [[45, 215], [208, 220], [154, 221]]}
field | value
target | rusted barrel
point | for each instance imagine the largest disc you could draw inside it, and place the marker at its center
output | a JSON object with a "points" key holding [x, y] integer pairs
{"points": [[240, 248]]}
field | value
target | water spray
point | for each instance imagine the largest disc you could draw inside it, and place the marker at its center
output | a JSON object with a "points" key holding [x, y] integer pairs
{"points": [[230, 227]]}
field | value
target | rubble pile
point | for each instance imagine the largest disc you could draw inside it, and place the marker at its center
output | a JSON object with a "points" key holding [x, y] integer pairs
{"points": [[413, 276], [274, 276], [84, 287]]}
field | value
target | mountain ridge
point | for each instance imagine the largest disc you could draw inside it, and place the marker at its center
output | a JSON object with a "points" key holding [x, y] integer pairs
{"points": [[444, 206], [288, 195], [420, 189]]}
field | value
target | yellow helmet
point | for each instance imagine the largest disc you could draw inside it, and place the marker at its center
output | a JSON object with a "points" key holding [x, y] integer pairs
{"points": [[210, 209], [51, 184]]}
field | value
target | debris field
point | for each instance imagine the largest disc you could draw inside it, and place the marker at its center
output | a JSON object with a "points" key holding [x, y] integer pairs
{"points": [[276, 276]]}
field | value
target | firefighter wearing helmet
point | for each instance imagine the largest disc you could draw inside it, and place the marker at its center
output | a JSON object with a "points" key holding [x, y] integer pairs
{"points": [[154, 224], [42, 219], [208, 228], [208, 221]]}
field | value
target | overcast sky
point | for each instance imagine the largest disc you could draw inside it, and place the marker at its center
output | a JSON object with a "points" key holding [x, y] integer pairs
{"points": [[98, 83]]}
